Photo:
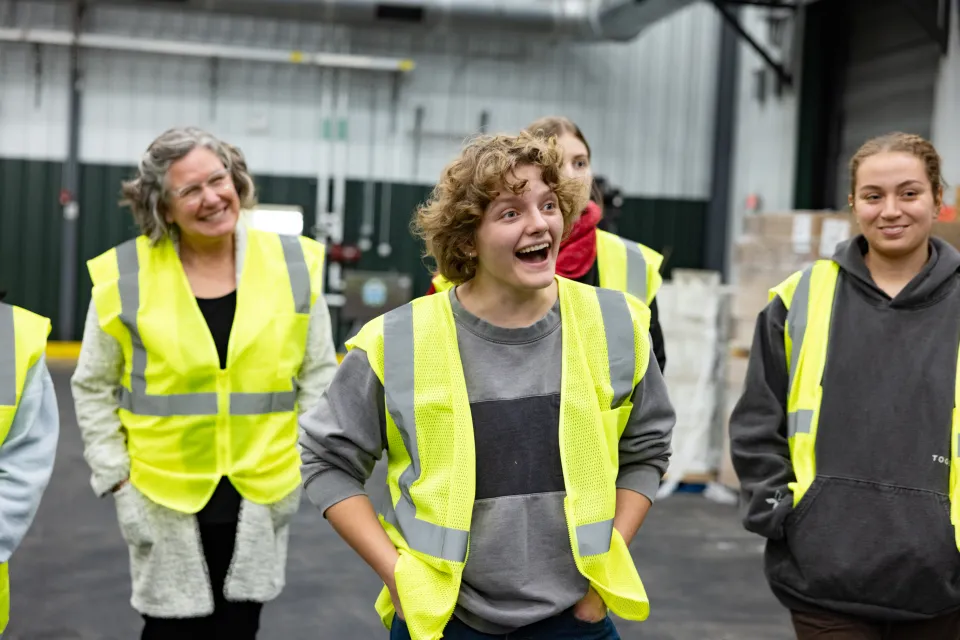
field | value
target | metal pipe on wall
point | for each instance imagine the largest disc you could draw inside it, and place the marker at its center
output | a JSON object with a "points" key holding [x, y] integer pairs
{"points": [[204, 50], [70, 188], [717, 228], [579, 20]]}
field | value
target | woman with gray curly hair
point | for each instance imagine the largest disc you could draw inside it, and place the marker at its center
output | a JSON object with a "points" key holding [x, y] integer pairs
{"points": [[203, 343]]}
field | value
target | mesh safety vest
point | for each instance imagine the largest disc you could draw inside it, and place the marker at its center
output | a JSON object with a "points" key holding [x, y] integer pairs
{"points": [[809, 296], [430, 446], [188, 422], [23, 339], [624, 265]]}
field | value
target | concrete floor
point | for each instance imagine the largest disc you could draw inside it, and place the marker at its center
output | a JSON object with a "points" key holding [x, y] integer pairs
{"points": [[70, 577]]}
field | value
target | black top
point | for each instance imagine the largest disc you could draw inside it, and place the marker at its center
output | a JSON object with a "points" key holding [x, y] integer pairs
{"points": [[592, 278], [224, 504]]}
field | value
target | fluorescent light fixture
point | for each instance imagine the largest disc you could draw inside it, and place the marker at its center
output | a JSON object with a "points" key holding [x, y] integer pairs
{"points": [[205, 50], [282, 219]]}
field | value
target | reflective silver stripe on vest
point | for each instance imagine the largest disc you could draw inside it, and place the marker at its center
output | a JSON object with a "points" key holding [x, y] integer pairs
{"points": [[298, 271], [398, 390], [137, 401], [802, 420], [593, 539], [618, 325], [256, 404], [636, 270], [8, 358]]}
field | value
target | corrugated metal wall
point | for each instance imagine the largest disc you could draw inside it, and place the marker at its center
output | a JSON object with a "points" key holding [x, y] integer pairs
{"points": [[646, 106]]}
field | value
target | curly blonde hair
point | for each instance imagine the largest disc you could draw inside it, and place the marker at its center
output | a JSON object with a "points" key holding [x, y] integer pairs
{"points": [[146, 194], [449, 220]]}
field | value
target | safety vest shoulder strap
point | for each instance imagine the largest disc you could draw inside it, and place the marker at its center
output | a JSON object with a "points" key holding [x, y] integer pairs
{"points": [[23, 340], [440, 283], [305, 260], [370, 340], [628, 266], [819, 278]]}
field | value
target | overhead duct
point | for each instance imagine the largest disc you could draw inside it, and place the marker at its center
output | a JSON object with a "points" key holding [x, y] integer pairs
{"points": [[578, 20]]}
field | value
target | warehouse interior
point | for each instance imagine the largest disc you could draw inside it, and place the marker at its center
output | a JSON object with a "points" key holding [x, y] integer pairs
{"points": [[721, 132]]}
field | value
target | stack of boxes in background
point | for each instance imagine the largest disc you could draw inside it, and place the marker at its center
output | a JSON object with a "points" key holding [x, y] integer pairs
{"points": [[693, 308]]}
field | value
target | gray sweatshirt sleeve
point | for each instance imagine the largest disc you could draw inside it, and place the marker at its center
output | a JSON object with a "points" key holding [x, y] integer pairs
{"points": [[758, 429], [319, 360], [94, 384], [26, 458], [343, 436], [645, 442]]}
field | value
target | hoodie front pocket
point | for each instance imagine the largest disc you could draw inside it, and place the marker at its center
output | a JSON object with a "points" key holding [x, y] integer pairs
{"points": [[873, 544]]}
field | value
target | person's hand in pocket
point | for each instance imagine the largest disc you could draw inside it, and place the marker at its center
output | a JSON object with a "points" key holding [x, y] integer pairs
{"points": [[394, 596], [590, 608]]}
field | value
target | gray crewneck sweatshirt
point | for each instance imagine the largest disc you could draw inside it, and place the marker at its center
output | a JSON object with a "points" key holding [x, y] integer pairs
{"points": [[520, 569]]}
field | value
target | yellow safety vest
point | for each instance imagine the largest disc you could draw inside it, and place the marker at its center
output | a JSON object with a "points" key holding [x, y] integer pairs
{"points": [[808, 296], [624, 265], [188, 422], [430, 446], [23, 340]]}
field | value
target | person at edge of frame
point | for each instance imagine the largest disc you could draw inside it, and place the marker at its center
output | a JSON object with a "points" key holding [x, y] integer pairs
{"points": [[846, 436], [589, 254], [204, 340], [29, 432], [464, 392]]}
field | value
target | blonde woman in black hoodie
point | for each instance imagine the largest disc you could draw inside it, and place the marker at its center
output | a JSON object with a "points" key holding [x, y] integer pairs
{"points": [[846, 436]]}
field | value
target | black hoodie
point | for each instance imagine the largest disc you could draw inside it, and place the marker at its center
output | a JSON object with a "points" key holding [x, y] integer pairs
{"points": [[872, 536]]}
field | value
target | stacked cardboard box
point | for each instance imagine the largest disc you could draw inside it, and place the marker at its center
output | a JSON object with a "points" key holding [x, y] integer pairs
{"points": [[772, 247], [693, 307]]}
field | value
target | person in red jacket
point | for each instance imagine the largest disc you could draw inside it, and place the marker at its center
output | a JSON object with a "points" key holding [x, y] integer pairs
{"points": [[581, 253]]}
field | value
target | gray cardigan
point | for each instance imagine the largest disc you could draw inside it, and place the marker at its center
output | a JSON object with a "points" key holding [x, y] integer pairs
{"points": [[166, 556]]}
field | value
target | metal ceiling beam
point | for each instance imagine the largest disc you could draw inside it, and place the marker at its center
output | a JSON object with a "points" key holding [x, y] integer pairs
{"points": [[783, 74], [934, 17]]}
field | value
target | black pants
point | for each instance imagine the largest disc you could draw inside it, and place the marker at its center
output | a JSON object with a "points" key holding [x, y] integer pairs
{"points": [[811, 626], [230, 620]]}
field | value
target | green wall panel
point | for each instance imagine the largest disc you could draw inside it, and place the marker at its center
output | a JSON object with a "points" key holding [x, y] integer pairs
{"points": [[675, 228], [406, 250], [30, 219]]}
